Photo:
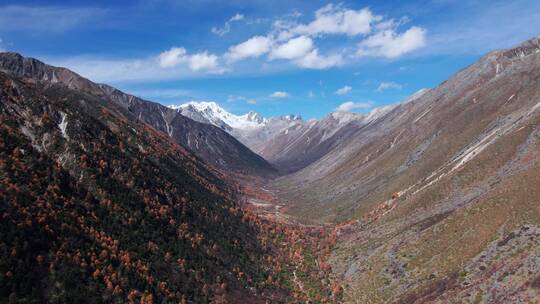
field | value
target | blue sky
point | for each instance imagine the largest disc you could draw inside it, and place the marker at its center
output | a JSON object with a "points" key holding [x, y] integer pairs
{"points": [[274, 57]]}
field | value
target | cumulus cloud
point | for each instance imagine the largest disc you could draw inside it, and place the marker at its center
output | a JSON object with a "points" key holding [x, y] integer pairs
{"points": [[292, 49], [287, 40], [354, 105], [389, 85], [313, 60], [334, 19], [296, 42], [227, 26], [390, 44], [172, 57], [251, 48], [343, 91], [203, 61], [174, 63], [301, 52], [279, 94]]}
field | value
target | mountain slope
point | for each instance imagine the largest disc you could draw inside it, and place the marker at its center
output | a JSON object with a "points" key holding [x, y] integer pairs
{"points": [[438, 198], [298, 146], [97, 206], [437, 129], [208, 142]]}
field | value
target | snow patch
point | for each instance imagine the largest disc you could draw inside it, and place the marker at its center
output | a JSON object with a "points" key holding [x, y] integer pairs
{"points": [[63, 125]]}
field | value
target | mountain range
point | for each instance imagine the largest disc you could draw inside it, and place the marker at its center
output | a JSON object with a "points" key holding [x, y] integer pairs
{"points": [[208, 142], [287, 142], [434, 199]]}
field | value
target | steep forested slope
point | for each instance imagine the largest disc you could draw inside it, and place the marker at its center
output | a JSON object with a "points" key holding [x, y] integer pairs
{"points": [[97, 206]]}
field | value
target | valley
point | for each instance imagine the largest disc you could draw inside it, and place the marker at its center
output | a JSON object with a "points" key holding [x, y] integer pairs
{"points": [[107, 197], [425, 186]]}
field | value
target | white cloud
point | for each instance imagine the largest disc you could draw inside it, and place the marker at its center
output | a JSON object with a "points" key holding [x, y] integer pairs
{"points": [[175, 63], [343, 91], [113, 70], [353, 105], [203, 61], [313, 60], [334, 19], [390, 44], [251, 101], [237, 17], [279, 94], [227, 26], [2, 45], [293, 41], [253, 47], [197, 62], [288, 40], [389, 85], [172, 57], [292, 49]]}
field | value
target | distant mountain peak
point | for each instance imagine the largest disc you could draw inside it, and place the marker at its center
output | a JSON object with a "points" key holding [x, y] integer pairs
{"points": [[212, 113]]}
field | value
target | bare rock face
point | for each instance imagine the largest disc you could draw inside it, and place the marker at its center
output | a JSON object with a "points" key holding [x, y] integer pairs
{"points": [[208, 142]]}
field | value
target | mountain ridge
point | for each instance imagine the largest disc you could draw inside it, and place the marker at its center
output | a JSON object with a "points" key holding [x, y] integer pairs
{"points": [[208, 142]]}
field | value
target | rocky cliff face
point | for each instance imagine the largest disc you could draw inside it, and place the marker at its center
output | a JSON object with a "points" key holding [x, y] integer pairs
{"points": [[212, 144]]}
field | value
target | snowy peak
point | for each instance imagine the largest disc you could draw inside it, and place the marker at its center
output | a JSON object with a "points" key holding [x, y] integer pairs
{"points": [[211, 113], [254, 117]]}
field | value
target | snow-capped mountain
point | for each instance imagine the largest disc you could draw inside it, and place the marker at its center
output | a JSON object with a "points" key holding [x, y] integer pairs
{"points": [[211, 113], [250, 128]]}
